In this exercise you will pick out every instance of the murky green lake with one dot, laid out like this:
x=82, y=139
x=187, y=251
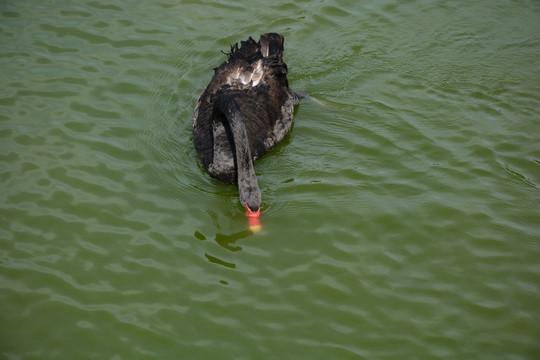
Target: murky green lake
x=401, y=216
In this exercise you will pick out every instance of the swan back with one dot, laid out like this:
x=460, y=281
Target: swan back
x=255, y=76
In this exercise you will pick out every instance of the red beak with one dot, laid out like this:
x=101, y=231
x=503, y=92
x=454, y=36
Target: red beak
x=250, y=213
x=253, y=219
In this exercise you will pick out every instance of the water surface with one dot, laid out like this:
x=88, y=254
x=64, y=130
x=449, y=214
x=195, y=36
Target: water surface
x=400, y=218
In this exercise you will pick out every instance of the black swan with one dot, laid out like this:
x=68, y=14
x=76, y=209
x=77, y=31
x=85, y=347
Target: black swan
x=245, y=110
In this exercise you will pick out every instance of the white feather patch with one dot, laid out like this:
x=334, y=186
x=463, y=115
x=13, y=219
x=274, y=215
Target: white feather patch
x=241, y=76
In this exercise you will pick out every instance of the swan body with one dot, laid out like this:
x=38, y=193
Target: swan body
x=245, y=110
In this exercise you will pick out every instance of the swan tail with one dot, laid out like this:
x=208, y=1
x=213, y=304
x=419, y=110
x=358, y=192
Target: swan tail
x=272, y=45
x=248, y=51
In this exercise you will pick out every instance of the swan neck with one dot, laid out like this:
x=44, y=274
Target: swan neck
x=248, y=186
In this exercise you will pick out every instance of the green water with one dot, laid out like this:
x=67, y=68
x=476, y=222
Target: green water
x=401, y=217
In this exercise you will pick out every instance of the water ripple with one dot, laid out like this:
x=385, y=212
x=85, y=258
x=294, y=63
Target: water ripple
x=401, y=210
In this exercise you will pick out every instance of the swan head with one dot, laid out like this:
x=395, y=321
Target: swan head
x=250, y=194
x=251, y=199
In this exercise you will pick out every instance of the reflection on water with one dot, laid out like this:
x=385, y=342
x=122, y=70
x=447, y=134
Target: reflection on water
x=227, y=242
x=215, y=260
